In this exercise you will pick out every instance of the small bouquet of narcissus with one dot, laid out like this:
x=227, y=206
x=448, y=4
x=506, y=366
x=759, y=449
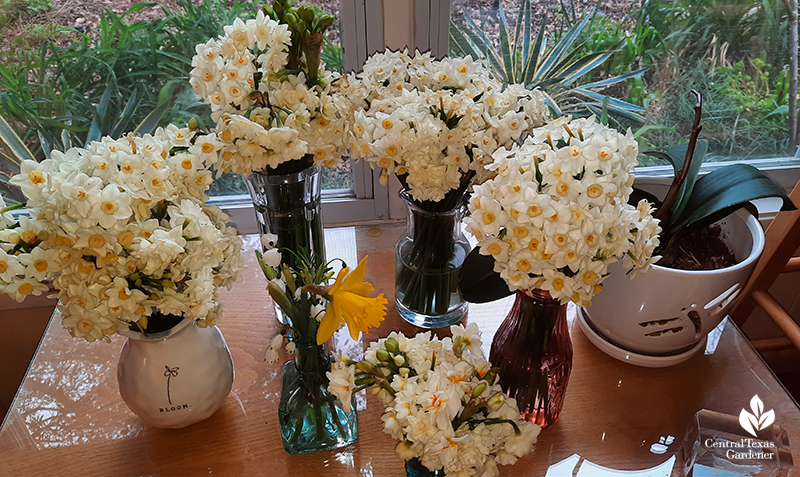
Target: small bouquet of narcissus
x=302, y=295
x=443, y=401
x=270, y=95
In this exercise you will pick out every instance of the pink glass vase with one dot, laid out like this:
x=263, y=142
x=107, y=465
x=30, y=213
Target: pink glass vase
x=533, y=350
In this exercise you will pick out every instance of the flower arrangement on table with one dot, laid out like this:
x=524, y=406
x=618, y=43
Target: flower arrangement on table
x=270, y=95
x=557, y=213
x=548, y=226
x=443, y=402
x=122, y=228
x=434, y=124
x=311, y=418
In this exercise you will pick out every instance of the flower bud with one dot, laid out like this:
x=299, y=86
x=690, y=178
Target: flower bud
x=479, y=389
x=496, y=401
x=392, y=345
x=399, y=360
x=366, y=367
x=383, y=356
x=403, y=449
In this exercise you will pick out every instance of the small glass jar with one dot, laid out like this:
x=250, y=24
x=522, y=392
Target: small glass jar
x=311, y=418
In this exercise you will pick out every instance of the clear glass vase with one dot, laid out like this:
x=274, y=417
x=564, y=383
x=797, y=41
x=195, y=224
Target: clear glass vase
x=414, y=468
x=287, y=203
x=533, y=350
x=311, y=418
x=428, y=258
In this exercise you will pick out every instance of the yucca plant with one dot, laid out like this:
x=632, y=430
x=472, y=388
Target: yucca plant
x=558, y=71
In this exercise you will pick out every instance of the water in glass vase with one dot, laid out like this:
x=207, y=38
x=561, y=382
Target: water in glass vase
x=311, y=418
x=428, y=258
x=428, y=296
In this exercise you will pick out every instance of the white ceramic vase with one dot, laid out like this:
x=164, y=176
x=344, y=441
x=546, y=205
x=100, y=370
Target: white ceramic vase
x=663, y=315
x=177, y=377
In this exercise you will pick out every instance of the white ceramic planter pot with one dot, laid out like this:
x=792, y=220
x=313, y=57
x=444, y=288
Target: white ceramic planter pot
x=667, y=312
x=175, y=378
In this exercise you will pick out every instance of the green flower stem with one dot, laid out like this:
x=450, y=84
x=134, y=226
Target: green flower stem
x=335, y=418
x=428, y=281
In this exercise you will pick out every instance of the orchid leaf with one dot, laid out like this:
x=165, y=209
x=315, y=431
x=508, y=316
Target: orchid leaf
x=478, y=281
x=723, y=191
x=676, y=156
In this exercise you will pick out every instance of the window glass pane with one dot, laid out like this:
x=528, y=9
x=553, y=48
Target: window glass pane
x=336, y=181
x=735, y=52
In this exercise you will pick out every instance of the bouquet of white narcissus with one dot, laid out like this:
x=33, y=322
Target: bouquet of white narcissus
x=557, y=214
x=443, y=402
x=124, y=232
x=268, y=91
x=435, y=123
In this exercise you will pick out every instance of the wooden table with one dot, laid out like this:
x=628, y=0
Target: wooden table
x=68, y=418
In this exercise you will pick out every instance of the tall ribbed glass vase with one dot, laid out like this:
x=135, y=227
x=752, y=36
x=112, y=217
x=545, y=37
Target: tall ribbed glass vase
x=287, y=203
x=311, y=418
x=428, y=258
x=533, y=350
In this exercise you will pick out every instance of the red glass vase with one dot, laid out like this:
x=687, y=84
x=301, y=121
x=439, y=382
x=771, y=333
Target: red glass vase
x=533, y=350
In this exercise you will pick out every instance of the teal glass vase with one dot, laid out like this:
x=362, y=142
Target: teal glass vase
x=311, y=418
x=414, y=468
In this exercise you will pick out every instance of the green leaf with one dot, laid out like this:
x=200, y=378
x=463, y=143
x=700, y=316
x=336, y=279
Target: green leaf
x=582, y=66
x=525, y=17
x=45, y=142
x=612, y=102
x=652, y=127
x=614, y=80
x=557, y=53
x=532, y=63
x=127, y=115
x=461, y=46
x=19, y=150
x=139, y=7
x=99, y=120
x=723, y=191
x=505, y=46
x=604, y=112
x=482, y=42
x=149, y=123
x=478, y=281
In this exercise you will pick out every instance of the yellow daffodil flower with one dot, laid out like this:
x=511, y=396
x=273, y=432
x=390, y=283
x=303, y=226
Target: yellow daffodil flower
x=350, y=302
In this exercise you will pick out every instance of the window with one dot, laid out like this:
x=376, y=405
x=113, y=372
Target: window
x=735, y=52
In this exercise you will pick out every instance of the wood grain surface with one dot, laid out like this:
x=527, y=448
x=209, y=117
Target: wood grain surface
x=68, y=418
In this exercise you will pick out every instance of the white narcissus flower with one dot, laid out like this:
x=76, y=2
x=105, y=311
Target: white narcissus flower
x=342, y=382
x=471, y=335
x=272, y=351
x=10, y=266
x=20, y=288
x=272, y=258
